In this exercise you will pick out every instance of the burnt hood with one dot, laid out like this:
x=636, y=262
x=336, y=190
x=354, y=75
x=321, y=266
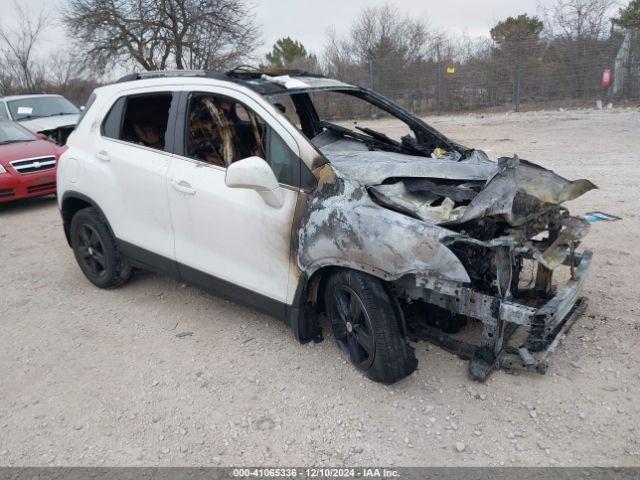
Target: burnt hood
x=374, y=167
x=458, y=190
x=520, y=191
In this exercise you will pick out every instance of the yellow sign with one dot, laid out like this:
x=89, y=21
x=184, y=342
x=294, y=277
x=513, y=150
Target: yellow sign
x=451, y=70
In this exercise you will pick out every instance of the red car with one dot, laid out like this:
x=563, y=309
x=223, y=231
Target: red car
x=27, y=163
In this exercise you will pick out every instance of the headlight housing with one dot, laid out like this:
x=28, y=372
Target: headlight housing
x=2, y=169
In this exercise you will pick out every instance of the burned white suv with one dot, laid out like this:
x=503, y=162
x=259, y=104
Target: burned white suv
x=277, y=191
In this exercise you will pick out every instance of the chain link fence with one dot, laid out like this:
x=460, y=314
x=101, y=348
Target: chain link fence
x=555, y=75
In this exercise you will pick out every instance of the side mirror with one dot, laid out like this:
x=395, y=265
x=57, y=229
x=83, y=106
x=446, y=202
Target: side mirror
x=256, y=174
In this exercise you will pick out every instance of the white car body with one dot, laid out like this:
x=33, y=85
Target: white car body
x=163, y=220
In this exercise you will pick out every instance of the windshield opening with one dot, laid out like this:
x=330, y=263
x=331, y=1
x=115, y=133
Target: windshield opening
x=10, y=133
x=354, y=119
x=356, y=113
x=38, y=107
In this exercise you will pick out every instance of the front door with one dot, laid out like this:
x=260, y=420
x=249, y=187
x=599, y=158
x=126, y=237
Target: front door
x=226, y=238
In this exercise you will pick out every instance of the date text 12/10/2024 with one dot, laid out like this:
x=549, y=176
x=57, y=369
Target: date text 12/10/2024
x=320, y=472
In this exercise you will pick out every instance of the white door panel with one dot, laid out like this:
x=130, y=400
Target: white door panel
x=131, y=181
x=230, y=233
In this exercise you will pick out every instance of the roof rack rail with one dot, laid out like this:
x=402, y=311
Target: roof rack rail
x=249, y=71
x=241, y=72
x=245, y=71
x=166, y=73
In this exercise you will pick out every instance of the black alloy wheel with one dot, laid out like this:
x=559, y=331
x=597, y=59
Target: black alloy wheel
x=96, y=250
x=91, y=250
x=366, y=325
x=352, y=328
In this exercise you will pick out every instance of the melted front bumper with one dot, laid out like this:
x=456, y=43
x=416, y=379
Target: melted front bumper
x=545, y=326
x=549, y=324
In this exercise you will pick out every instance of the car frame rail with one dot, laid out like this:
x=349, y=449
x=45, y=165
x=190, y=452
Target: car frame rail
x=547, y=325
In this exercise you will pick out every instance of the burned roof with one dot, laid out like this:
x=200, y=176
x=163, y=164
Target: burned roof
x=268, y=85
x=265, y=81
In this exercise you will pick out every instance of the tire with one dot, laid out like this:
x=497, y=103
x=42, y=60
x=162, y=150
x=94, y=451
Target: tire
x=96, y=251
x=366, y=328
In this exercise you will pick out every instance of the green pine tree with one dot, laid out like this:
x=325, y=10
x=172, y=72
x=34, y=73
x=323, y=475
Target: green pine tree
x=284, y=52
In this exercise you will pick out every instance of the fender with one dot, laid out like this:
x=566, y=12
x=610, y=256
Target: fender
x=343, y=226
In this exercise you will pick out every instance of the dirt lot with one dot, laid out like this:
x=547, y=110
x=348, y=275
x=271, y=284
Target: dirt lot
x=92, y=377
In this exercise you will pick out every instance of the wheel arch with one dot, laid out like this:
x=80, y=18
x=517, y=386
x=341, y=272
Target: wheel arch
x=310, y=304
x=72, y=202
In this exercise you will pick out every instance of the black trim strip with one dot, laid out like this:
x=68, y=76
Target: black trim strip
x=141, y=258
x=234, y=292
x=179, y=125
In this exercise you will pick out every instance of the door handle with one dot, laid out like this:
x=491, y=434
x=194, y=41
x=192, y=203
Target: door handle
x=184, y=187
x=103, y=156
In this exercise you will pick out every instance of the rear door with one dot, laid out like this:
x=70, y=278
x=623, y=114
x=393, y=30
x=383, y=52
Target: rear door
x=229, y=238
x=129, y=174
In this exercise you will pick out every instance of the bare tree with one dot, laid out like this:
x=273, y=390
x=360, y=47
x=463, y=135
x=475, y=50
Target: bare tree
x=580, y=19
x=337, y=56
x=382, y=50
x=576, y=27
x=20, y=70
x=382, y=31
x=63, y=68
x=159, y=34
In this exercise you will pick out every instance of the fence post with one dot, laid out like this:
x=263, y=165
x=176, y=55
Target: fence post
x=439, y=79
x=518, y=79
x=370, y=75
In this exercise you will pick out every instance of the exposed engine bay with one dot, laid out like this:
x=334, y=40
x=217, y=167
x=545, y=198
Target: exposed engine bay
x=495, y=217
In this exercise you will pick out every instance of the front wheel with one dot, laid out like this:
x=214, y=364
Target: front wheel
x=366, y=328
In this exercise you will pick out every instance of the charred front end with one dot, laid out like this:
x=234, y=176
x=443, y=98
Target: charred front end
x=511, y=235
x=457, y=239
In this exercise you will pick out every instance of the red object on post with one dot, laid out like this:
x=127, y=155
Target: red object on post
x=606, y=78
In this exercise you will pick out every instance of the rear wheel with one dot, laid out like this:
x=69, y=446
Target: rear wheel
x=366, y=328
x=96, y=251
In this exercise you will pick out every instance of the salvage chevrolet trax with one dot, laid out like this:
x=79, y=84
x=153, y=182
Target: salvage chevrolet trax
x=264, y=188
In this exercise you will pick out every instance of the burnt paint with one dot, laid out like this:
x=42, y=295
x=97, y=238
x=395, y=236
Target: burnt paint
x=343, y=226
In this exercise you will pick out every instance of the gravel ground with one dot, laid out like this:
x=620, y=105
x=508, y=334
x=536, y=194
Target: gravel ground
x=92, y=377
